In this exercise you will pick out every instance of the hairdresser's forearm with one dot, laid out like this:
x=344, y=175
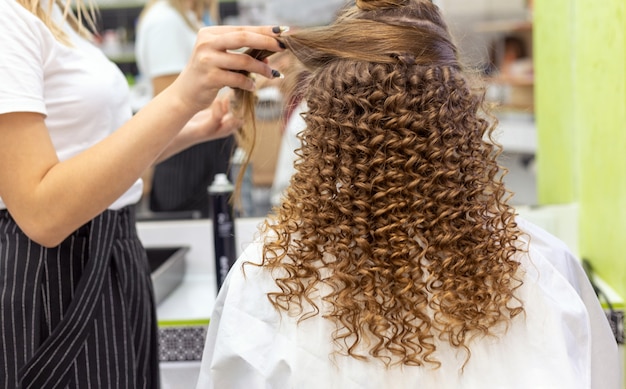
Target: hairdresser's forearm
x=212, y=123
x=179, y=143
x=98, y=176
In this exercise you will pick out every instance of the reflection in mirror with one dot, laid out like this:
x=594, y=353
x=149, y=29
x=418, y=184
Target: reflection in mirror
x=271, y=162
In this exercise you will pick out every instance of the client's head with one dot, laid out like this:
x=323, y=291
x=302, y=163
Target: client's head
x=397, y=209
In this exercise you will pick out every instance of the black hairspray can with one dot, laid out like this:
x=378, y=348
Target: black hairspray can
x=222, y=213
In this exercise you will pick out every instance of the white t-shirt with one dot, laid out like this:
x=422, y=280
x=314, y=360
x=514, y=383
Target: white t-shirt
x=83, y=95
x=562, y=341
x=164, y=42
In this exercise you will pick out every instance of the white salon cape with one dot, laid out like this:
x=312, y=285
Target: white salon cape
x=564, y=341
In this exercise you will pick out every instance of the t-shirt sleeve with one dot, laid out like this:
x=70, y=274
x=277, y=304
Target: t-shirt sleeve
x=165, y=47
x=22, y=51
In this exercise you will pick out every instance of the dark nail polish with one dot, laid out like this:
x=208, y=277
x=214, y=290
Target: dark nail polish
x=281, y=45
x=276, y=74
x=280, y=29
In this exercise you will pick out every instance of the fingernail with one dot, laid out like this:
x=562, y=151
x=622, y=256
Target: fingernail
x=280, y=29
x=277, y=74
x=281, y=44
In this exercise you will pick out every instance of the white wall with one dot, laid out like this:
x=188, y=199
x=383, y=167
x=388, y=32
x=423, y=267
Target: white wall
x=496, y=8
x=304, y=10
x=299, y=13
x=464, y=16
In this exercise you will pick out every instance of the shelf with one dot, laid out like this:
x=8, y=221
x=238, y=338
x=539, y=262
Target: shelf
x=513, y=108
x=505, y=26
x=122, y=58
x=119, y=5
x=119, y=53
x=512, y=80
x=517, y=95
x=516, y=134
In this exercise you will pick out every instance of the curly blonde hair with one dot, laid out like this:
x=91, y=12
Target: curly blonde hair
x=397, y=206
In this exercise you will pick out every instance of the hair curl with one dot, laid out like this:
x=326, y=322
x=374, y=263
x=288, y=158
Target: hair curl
x=397, y=204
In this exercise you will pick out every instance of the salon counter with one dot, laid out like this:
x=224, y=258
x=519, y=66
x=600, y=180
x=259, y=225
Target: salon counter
x=193, y=300
x=183, y=315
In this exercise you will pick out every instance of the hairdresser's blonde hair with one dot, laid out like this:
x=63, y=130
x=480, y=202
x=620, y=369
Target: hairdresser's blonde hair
x=180, y=6
x=397, y=206
x=80, y=15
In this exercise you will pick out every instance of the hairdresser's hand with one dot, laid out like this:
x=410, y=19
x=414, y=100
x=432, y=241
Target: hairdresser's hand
x=215, y=122
x=214, y=65
x=211, y=123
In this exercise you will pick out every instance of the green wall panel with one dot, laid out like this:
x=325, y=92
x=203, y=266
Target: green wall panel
x=600, y=86
x=555, y=101
x=580, y=65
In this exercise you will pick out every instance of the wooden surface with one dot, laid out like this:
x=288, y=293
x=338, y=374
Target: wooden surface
x=265, y=153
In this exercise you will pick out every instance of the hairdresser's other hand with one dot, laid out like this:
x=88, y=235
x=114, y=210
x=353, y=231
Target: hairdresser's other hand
x=212, y=123
x=214, y=65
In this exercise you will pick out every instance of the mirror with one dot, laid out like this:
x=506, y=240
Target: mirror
x=474, y=42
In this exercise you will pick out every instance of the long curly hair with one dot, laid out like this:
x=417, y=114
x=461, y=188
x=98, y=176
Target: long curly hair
x=397, y=206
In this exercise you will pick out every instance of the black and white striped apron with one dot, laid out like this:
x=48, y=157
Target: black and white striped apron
x=80, y=315
x=180, y=182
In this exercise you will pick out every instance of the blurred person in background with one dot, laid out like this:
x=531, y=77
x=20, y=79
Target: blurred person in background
x=165, y=38
x=394, y=259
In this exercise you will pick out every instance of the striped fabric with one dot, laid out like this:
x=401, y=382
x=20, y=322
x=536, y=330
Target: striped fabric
x=180, y=183
x=79, y=315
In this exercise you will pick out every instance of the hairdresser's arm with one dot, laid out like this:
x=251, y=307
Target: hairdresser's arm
x=161, y=82
x=49, y=199
x=211, y=123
